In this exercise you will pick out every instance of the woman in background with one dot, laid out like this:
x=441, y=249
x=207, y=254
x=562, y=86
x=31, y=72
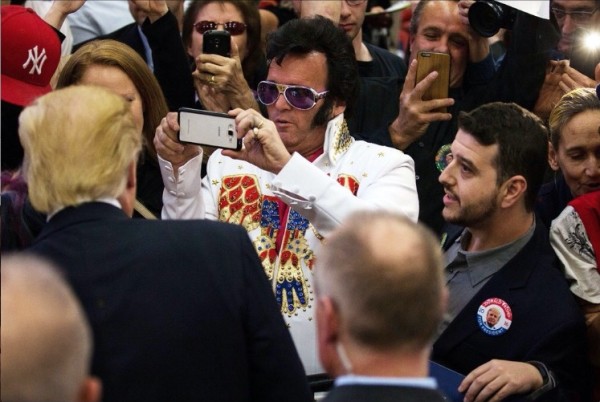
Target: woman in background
x=574, y=152
x=116, y=66
x=225, y=83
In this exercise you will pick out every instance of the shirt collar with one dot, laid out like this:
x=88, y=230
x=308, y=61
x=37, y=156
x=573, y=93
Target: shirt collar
x=421, y=382
x=489, y=261
x=337, y=138
x=106, y=200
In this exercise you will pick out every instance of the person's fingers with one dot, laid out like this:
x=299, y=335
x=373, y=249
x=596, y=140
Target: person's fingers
x=491, y=385
x=477, y=385
x=235, y=51
x=409, y=81
x=564, y=87
x=425, y=84
x=172, y=120
x=249, y=119
x=472, y=376
x=164, y=143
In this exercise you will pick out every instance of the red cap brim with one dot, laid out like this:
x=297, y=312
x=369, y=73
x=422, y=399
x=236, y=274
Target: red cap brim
x=20, y=93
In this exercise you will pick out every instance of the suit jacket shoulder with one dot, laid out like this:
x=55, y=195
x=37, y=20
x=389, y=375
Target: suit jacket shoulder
x=180, y=310
x=391, y=64
x=128, y=35
x=382, y=393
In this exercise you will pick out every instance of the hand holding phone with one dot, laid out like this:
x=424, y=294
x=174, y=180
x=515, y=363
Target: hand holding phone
x=213, y=129
x=433, y=61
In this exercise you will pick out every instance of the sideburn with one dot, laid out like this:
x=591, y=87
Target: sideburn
x=324, y=114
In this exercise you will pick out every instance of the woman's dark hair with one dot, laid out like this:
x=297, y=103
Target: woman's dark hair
x=251, y=18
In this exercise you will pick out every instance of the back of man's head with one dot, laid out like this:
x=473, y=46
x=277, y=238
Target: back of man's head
x=46, y=341
x=79, y=143
x=522, y=140
x=384, y=275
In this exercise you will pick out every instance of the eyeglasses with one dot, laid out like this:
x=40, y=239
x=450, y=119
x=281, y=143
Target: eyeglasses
x=354, y=3
x=303, y=98
x=576, y=15
x=233, y=27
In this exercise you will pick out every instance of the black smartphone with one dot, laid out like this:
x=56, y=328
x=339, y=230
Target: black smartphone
x=202, y=127
x=217, y=42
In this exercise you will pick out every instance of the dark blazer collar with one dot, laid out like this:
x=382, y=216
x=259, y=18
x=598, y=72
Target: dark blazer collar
x=87, y=212
x=514, y=275
x=382, y=393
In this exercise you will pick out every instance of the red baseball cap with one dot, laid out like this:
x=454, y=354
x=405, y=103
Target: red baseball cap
x=30, y=55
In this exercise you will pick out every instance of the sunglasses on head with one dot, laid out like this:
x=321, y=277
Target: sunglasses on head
x=303, y=98
x=233, y=27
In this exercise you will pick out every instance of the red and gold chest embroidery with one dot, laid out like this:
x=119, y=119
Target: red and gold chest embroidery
x=241, y=202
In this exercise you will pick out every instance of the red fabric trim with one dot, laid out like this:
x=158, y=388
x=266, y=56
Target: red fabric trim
x=283, y=208
x=588, y=208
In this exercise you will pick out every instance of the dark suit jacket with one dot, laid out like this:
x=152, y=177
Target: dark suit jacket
x=382, y=393
x=547, y=324
x=381, y=80
x=180, y=310
x=171, y=62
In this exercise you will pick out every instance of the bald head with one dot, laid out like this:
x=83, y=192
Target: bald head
x=46, y=341
x=384, y=273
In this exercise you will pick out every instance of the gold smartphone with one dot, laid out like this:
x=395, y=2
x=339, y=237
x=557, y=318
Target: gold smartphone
x=433, y=61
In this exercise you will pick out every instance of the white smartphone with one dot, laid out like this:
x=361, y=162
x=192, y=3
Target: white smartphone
x=202, y=127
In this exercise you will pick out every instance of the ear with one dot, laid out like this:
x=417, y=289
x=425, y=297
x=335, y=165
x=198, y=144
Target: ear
x=327, y=319
x=327, y=333
x=512, y=191
x=552, y=157
x=90, y=390
x=338, y=108
x=127, y=197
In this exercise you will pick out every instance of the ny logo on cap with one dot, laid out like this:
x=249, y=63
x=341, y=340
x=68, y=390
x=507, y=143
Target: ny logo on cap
x=37, y=60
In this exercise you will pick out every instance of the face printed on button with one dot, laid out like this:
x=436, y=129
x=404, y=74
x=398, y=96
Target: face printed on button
x=494, y=316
